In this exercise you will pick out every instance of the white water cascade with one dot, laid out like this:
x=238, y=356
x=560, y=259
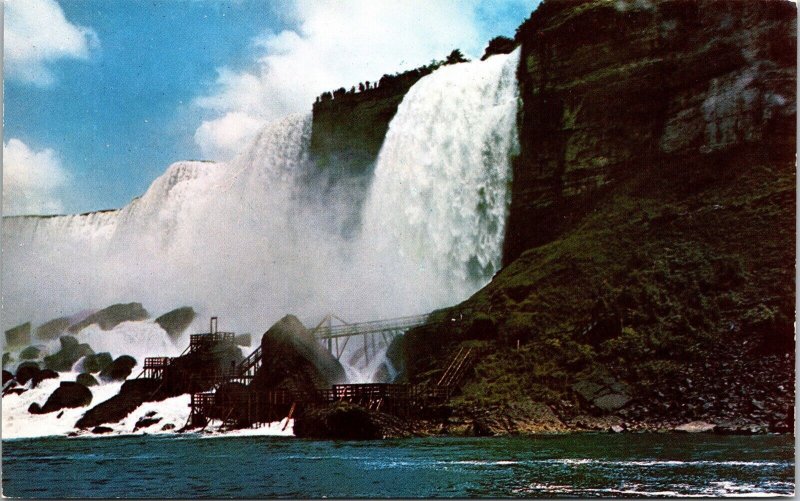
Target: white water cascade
x=249, y=240
x=435, y=218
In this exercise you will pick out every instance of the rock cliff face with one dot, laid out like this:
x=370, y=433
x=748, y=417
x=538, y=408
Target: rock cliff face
x=651, y=235
x=612, y=88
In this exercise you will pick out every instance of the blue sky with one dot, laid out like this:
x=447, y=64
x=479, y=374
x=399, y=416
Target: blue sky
x=130, y=86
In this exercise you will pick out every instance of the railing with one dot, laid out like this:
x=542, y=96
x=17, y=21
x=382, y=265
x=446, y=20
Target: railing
x=156, y=362
x=205, y=341
x=347, y=330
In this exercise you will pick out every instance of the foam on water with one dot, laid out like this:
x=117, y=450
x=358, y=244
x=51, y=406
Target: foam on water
x=19, y=423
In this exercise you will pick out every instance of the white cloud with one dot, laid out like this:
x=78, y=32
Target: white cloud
x=36, y=34
x=32, y=180
x=223, y=137
x=334, y=44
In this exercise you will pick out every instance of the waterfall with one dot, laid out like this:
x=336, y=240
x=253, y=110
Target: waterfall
x=249, y=240
x=435, y=217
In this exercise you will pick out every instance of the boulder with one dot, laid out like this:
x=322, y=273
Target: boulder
x=146, y=422
x=42, y=375
x=30, y=353
x=7, y=376
x=603, y=394
x=119, y=369
x=52, y=329
x=71, y=351
x=97, y=362
x=167, y=427
x=19, y=336
x=67, y=395
x=26, y=371
x=132, y=394
x=176, y=321
x=294, y=360
x=99, y=430
x=110, y=317
x=86, y=380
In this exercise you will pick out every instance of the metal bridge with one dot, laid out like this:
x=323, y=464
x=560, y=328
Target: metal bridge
x=376, y=334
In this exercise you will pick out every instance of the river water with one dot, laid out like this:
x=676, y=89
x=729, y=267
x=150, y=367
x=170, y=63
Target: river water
x=571, y=465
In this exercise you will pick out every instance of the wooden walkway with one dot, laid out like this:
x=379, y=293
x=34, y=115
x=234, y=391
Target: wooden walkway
x=229, y=400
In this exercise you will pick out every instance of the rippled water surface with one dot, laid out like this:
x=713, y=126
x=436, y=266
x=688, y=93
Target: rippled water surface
x=576, y=465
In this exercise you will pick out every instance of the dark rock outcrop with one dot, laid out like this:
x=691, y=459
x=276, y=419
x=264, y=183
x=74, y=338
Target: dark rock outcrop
x=294, y=360
x=119, y=369
x=603, y=394
x=26, y=371
x=30, y=353
x=67, y=395
x=176, y=321
x=42, y=375
x=100, y=430
x=146, y=421
x=7, y=376
x=18, y=336
x=86, y=380
x=52, y=329
x=675, y=84
x=71, y=351
x=132, y=394
x=97, y=362
x=110, y=317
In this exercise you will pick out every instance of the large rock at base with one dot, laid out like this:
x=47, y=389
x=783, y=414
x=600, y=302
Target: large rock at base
x=176, y=321
x=344, y=421
x=603, y=394
x=119, y=369
x=52, y=329
x=26, y=371
x=42, y=375
x=97, y=362
x=86, y=380
x=19, y=335
x=30, y=353
x=132, y=394
x=71, y=351
x=7, y=376
x=67, y=395
x=110, y=317
x=294, y=360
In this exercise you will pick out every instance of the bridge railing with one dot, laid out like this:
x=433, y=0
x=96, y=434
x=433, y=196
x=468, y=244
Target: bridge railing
x=401, y=323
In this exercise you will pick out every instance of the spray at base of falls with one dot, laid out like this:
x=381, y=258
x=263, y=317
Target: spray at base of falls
x=247, y=240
